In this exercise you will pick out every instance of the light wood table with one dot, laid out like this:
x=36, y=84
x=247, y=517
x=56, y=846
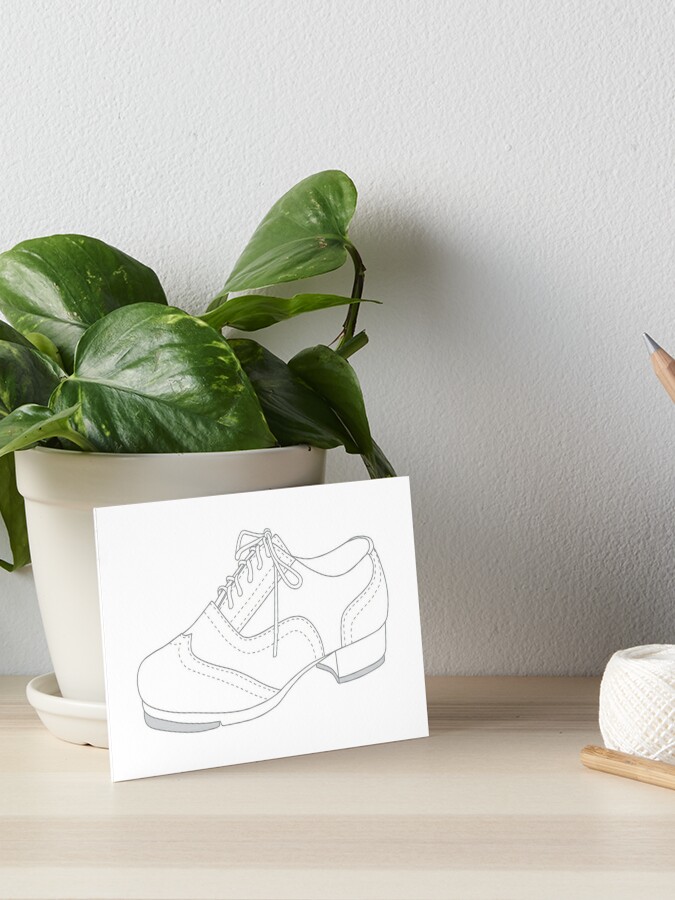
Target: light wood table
x=495, y=804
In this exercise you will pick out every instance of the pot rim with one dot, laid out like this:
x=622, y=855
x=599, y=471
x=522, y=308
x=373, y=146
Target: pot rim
x=89, y=454
x=84, y=480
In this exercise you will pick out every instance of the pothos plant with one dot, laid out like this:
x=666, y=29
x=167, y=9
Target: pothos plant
x=94, y=359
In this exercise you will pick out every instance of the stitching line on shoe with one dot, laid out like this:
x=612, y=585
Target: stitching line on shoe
x=246, y=606
x=364, y=597
x=249, y=608
x=267, y=646
x=223, y=680
x=365, y=605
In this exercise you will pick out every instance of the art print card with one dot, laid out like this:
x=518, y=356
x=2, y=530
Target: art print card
x=254, y=626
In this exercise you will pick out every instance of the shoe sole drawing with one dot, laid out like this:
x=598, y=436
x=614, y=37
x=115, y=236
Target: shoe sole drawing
x=346, y=664
x=341, y=679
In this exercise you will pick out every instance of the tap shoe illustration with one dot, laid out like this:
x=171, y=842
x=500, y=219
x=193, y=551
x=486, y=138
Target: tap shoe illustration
x=276, y=617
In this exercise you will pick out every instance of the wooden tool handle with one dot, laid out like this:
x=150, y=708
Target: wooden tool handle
x=636, y=767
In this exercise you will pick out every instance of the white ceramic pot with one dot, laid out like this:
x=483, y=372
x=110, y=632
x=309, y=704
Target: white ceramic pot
x=61, y=488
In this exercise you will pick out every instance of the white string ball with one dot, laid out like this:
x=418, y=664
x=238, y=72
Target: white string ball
x=637, y=702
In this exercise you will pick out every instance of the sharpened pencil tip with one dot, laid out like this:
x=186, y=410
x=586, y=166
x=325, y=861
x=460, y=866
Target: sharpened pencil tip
x=652, y=346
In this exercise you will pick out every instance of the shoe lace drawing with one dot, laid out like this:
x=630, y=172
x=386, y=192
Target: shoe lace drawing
x=275, y=618
x=249, y=546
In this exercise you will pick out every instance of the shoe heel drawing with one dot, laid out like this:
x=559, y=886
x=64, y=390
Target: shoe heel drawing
x=357, y=659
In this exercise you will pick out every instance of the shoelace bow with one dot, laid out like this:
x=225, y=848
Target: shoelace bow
x=249, y=547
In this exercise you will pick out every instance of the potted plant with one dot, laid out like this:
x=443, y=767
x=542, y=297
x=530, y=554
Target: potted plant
x=108, y=395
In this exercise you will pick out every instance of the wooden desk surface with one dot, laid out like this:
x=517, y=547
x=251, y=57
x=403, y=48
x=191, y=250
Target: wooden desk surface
x=495, y=804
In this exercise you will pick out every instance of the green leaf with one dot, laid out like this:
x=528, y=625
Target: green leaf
x=7, y=333
x=251, y=312
x=153, y=379
x=26, y=375
x=333, y=378
x=377, y=463
x=217, y=301
x=304, y=234
x=294, y=412
x=29, y=425
x=13, y=514
x=59, y=285
x=42, y=343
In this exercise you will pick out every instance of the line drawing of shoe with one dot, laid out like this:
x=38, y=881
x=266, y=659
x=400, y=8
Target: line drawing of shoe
x=276, y=617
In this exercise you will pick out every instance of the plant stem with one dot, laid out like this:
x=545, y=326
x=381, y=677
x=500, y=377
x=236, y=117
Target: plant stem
x=346, y=348
x=80, y=441
x=357, y=292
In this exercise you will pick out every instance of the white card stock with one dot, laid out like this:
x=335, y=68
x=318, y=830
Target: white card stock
x=259, y=625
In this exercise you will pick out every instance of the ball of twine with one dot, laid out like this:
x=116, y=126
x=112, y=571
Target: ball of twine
x=637, y=702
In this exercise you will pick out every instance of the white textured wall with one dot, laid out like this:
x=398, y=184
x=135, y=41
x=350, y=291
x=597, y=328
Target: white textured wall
x=516, y=169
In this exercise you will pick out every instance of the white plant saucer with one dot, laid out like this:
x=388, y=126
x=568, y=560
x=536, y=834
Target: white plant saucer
x=77, y=721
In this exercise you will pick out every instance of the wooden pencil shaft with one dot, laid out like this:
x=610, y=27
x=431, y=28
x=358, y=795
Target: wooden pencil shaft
x=664, y=369
x=648, y=771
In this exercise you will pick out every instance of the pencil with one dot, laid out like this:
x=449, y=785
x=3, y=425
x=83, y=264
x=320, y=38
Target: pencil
x=648, y=771
x=663, y=365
